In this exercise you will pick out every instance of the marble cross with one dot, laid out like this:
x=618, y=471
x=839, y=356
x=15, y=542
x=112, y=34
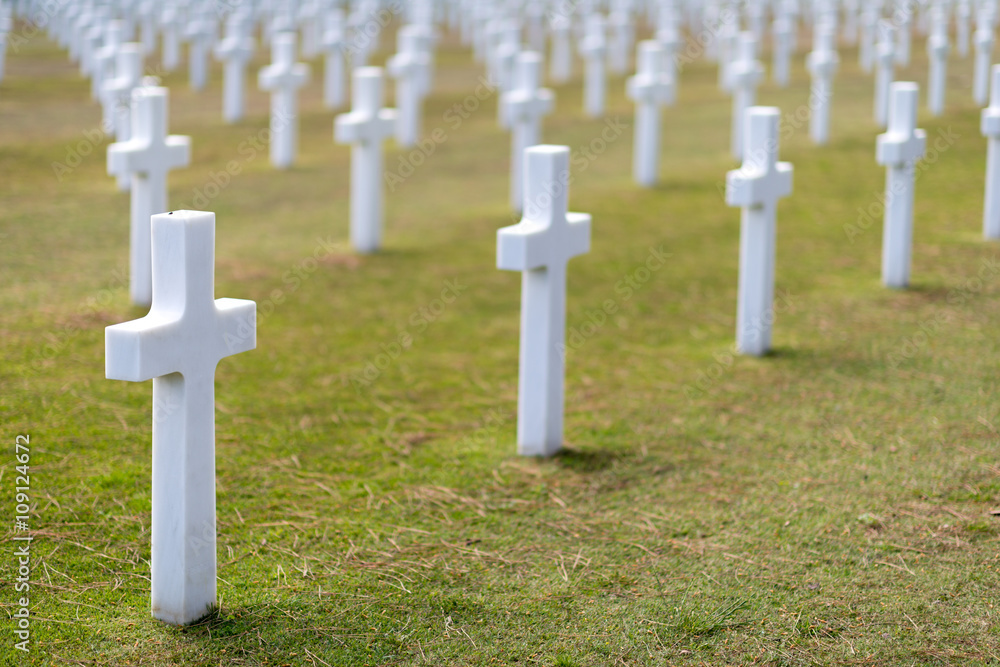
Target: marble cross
x=745, y=73
x=177, y=346
x=199, y=33
x=410, y=67
x=622, y=36
x=650, y=89
x=869, y=30
x=147, y=157
x=782, y=50
x=963, y=14
x=283, y=79
x=756, y=188
x=104, y=68
x=524, y=107
x=540, y=246
x=937, y=52
x=898, y=150
x=170, y=31
x=365, y=128
x=594, y=50
x=561, y=61
x=990, y=126
x=117, y=93
x=884, y=73
x=334, y=39
x=235, y=51
x=822, y=63
x=984, y=53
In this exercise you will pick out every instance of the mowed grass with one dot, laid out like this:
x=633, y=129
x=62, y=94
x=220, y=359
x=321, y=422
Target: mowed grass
x=828, y=504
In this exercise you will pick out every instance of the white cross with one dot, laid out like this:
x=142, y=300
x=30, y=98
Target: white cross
x=903, y=16
x=822, y=63
x=937, y=52
x=118, y=90
x=200, y=32
x=984, y=53
x=782, y=29
x=744, y=75
x=366, y=127
x=283, y=79
x=593, y=48
x=668, y=36
x=524, y=107
x=561, y=67
x=540, y=246
x=178, y=345
x=898, y=150
x=756, y=188
x=6, y=25
x=990, y=126
x=650, y=89
x=885, y=56
x=334, y=84
x=170, y=30
x=411, y=70
x=147, y=157
x=963, y=12
x=866, y=49
x=104, y=67
x=621, y=40
x=235, y=51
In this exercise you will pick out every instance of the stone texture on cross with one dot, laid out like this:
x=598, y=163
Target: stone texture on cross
x=524, y=107
x=410, y=67
x=540, y=246
x=898, y=150
x=366, y=127
x=822, y=63
x=147, y=157
x=593, y=48
x=990, y=126
x=178, y=346
x=235, y=51
x=650, y=89
x=756, y=188
x=744, y=74
x=282, y=79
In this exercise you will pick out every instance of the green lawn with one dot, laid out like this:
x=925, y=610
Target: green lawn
x=829, y=504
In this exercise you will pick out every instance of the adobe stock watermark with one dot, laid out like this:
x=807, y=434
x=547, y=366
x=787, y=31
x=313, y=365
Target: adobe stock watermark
x=22, y=542
x=867, y=216
x=417, y=323
x=625, y=289
x=910, y=346
x=726, y=360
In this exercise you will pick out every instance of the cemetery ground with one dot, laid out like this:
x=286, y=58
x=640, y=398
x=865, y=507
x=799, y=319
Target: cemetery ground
x=831, y=503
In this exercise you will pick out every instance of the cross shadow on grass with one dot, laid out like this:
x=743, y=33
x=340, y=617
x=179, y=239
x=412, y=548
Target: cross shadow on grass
x=587, y=460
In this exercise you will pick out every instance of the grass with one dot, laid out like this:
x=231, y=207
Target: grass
x=829, y=504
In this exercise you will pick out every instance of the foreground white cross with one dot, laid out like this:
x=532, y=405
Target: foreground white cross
x=822, y=63
x=756, y=188
x=524, y=107
x=148, y=156
x=283, y=79
x=650, y=89
x=178, y=345
x=235, y=51
x=540, y=246
x=366, y=127
x=898, y=150
x=990, y=125
x=744, y=75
